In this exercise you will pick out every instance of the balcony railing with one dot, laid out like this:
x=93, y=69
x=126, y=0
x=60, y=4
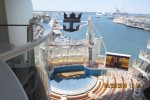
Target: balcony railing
x=144, y=55
x=137, y=63
x=68, y=43
x=9, y=78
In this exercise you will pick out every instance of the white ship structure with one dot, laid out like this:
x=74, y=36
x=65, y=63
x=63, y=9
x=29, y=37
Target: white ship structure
x=39, y=62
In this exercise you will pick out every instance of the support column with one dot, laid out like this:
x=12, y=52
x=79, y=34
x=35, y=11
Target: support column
x=30, y=54
x=91, y=42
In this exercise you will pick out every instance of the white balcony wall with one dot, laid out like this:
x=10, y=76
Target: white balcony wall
x=18, y=12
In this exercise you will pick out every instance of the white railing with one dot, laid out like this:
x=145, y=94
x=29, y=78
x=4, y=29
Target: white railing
x=136, y=66
x=70, y=42
x=137, y=63
x=144, y=55
x=30, y=45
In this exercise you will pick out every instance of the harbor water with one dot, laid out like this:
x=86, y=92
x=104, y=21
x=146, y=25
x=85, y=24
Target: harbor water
x=118, y=38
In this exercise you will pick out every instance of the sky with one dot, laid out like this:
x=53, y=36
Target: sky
x=129, y=6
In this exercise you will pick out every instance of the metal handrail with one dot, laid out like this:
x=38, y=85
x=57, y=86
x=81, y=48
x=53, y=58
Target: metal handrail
x=29, y=45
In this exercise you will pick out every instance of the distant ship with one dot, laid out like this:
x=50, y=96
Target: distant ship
x=117, y=13
x=98, y=14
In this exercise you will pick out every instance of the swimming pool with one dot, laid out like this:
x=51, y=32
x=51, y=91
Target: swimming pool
x=72, y=86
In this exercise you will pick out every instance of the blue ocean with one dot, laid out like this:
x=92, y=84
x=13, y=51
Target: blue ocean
x=118, y=38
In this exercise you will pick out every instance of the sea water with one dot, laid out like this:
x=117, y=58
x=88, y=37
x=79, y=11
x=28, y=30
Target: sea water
x=118, y=38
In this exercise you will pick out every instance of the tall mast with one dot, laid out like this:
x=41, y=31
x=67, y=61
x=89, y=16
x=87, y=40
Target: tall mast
x=91, y=42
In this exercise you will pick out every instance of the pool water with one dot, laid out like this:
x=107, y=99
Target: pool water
x=75, y=83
